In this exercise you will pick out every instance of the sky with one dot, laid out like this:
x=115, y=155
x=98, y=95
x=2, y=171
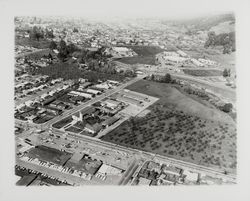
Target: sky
x=111, y=9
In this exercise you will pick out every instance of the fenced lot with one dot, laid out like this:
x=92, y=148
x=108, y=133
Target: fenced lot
x=178, y=135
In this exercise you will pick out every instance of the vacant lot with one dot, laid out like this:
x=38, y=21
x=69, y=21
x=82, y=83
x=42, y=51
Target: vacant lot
x=176, y=134
x=146, y=55
x=174, y=99
x=203, y=73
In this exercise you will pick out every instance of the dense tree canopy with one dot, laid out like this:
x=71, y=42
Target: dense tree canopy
x=227, y=40
x=36, y=33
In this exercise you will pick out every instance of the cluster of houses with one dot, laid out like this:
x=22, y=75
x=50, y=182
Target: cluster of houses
x=27, y=85
x=44, y=106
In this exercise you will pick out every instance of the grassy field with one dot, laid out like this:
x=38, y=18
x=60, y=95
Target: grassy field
x=149, y=60
x=146, y=55
x=203, y=73
x=174, y=99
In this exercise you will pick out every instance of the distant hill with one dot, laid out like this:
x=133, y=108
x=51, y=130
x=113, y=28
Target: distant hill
x=205, y=23
x=224, y=27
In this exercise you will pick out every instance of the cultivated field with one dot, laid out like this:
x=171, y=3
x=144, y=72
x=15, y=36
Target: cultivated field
x=180, y=127
x=176, y=134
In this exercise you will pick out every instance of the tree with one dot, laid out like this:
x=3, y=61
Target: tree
x=227, y=107
x=49, y=33
x=72, y=48
x=167, y=78
x=52, y=45
x=153, y=77
x=36, y=33
x=211, y=39
x=226, y=72
x=75, y=30
x=63, y=50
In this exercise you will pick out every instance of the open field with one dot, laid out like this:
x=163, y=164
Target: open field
x=176, y=134
x=204, y=73
x=149, y=60
x=174, y=99
x=146, y=55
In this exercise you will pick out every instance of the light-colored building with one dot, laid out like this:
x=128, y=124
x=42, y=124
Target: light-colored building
x=103, y=86
x=207, y=61
x=197, y=63
x=78, y=93
x=111, y=103
x=93, y=91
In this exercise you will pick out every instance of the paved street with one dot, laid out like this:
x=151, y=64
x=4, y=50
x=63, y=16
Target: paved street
x=150, y=156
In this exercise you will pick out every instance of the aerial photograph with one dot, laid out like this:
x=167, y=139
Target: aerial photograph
x=130, y=101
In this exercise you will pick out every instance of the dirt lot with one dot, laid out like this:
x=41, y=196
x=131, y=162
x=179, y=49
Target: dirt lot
x=176, y=134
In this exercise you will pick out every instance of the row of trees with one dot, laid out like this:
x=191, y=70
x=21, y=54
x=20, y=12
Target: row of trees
x=167, y=78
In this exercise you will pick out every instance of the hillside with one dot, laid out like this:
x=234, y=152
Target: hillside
x=223, y=27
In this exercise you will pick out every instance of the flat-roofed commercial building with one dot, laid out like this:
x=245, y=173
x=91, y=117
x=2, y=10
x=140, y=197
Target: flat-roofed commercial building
x=83, y=94
x=93, y=91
